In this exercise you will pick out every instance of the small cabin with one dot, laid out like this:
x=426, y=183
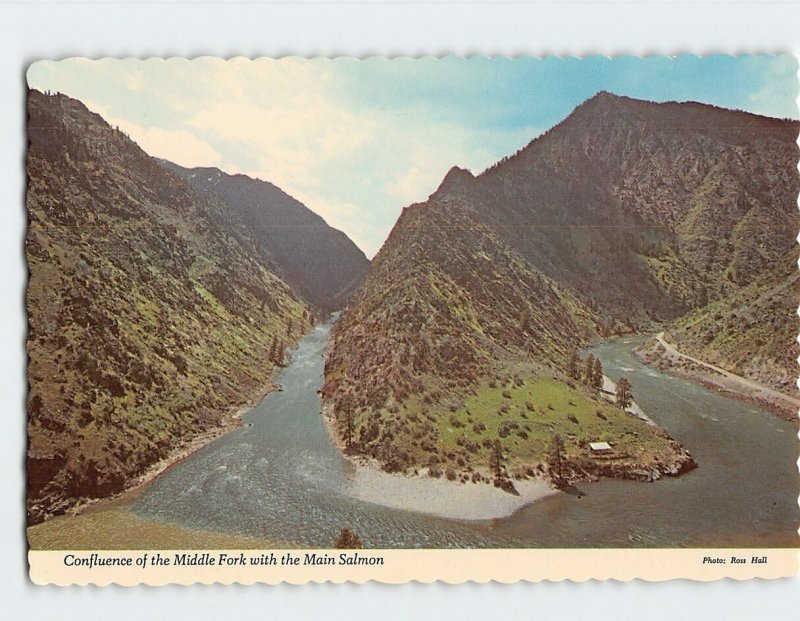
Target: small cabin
x=600, y=447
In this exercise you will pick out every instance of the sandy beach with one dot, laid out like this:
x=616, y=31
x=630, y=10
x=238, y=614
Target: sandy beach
x=443, y=498
x=434, y=496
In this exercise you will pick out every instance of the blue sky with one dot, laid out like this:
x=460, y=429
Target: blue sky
x=357, y=140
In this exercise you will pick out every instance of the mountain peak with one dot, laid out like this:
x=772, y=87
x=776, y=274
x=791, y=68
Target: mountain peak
x=605, y=96
x=455, y=181
x=607, y=99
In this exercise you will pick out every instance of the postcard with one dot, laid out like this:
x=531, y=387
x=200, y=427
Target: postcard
x=412, y=319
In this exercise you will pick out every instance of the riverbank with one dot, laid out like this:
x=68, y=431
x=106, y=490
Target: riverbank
x=116, y=528
x=230, y=421
x=443, y=498
x=609, y=392
x=662, y=355
x=440, y=497
x=106, y=522
x=420, y=492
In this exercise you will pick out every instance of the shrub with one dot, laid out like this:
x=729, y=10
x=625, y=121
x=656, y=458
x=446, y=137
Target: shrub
x=455, y=422
x=506, y=428
x=348, y=540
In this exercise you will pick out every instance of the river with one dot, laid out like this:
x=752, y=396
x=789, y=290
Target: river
x=280, y=478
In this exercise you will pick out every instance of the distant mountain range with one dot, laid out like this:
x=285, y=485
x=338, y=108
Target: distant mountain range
x=320, y=263
x=155, y=309
x=626, y=215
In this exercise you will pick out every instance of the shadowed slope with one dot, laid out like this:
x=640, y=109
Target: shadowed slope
x=150, y=317
x=319, y=262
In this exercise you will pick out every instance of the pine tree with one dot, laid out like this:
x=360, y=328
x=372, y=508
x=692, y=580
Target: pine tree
x=344, y=419
x=623, y=393
x=573, y=367
x=555, y=460
x=347, y=539
x=588, y=373
x=597, y=378
x=349, y=427
x=497, y=460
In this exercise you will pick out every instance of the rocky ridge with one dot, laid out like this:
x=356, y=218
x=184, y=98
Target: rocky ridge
x=151, y=318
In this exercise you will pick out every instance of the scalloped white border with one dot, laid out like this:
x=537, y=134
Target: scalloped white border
x=426, y=566
x=639, y=27
x=450, y=566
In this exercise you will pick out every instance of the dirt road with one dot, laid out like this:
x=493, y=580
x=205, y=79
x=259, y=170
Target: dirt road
x=759, y=390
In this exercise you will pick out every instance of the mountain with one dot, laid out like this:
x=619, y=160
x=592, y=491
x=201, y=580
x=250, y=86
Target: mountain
x=151, y=316
x=446, y=297
x=626, y=215
x=646, y=210
x=319, y=262
x=752, y=331
x=649, y=211
x=456, y=343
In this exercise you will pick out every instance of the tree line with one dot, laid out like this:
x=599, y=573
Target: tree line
x=592, y=373
x=277, y=350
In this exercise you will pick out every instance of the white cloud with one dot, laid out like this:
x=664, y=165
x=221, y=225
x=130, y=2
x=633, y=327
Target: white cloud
x=779, y=85
x=177, y=145
x=292, y=122
x=181, y=147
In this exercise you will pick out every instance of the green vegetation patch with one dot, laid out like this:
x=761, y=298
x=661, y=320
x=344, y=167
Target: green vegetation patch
x=526, y=414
